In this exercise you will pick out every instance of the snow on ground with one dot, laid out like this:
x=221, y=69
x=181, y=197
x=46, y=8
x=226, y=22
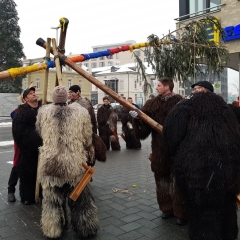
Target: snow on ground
x=6, y=124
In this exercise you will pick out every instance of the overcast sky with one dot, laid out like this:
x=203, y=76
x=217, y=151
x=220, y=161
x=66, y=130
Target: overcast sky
x=95, y=22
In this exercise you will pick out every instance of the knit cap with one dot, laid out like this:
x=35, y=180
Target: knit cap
x=60, y=94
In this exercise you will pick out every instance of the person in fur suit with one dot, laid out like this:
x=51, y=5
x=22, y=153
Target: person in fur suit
x=132, y=142
x=201, y=133
x=28, y=141
x=107, y=125
x=74, y=94
x=169, y=197
x=66, y=131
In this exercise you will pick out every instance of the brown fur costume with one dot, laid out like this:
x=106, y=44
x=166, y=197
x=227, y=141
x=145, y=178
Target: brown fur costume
x=107, y=120
x=132, y=142
x=99, y=146
x=169, y=198
x=204, y=142
x=66, y=131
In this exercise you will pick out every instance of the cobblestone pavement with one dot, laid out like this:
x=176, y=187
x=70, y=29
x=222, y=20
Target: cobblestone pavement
x=130, y=214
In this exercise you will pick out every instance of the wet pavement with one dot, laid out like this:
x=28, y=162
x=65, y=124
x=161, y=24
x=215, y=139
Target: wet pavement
x=124, y=191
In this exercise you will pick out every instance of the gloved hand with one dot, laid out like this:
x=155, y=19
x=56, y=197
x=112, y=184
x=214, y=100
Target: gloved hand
x=134, y=114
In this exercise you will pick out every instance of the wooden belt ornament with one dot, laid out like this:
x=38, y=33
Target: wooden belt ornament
x=83, y=182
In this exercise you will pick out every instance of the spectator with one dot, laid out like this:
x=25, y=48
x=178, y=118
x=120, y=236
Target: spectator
x=28, y=141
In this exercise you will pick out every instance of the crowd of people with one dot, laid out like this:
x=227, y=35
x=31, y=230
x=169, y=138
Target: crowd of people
x=195, y=160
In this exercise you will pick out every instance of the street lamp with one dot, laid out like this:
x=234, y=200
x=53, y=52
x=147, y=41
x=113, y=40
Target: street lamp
x=56, y=28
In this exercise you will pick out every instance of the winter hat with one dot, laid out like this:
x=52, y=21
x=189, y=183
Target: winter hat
x=27, y=91
x=204, y=84
x=60, y=94
x=75, y=88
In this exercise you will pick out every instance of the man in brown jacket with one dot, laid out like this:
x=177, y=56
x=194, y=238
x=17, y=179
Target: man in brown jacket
x=169, y=198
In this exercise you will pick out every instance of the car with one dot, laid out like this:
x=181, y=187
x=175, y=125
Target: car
x=96, y=107
x=118, y=108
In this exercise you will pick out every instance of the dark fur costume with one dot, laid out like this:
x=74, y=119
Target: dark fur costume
x=131, y=140
x=169, y=198
x=28, y=141
x=236, y=110
x=66, y=131
x=99, y=146
x=107, y=120
x=204, y=142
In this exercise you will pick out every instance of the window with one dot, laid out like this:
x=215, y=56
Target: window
x=85, y=64
x=69, y=82
x=110, y=63
x=80, y=83
x=117, y=56
x=121, y=84
x=93, y=65
x=135, y=84
x=197, y=7
x=101, y=58
x=38, y=83
x=110, y=57
x=102, y=64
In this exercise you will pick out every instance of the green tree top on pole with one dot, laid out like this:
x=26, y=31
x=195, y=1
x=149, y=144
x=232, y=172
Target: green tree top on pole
x=181, y=53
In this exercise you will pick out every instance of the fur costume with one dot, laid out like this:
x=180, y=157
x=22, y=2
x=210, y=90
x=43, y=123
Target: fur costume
x=28, y=141
x=169, y=198
x=66, y=131
x=204, y=142
x=131, y=140
x=107, y=121
x=99, y=146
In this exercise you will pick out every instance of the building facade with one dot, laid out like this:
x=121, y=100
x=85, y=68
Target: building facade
x=115, y=59
x=69, y=77
x=228, y=13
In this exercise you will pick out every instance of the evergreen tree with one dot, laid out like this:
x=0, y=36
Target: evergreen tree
x=11, y=49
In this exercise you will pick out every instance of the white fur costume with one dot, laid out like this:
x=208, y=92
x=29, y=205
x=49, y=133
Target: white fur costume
x=66, y=131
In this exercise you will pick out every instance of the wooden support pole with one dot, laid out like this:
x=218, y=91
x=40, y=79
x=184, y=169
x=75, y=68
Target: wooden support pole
x=105, y=88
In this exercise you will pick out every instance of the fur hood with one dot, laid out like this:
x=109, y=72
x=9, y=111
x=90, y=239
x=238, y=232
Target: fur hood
x=66, y=132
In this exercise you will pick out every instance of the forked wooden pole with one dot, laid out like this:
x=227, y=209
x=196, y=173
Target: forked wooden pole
x=46, y=72
x=57, y=63
x=44, y=101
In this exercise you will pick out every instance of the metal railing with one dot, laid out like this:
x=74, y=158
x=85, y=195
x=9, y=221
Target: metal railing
x=200, y=13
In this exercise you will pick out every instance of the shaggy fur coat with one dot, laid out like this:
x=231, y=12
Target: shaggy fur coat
x=99, y=146
x=169, y=198
x=28, y=141
x=132, y=142
x=204, y=143
x=66, y=131
x=107, y=119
